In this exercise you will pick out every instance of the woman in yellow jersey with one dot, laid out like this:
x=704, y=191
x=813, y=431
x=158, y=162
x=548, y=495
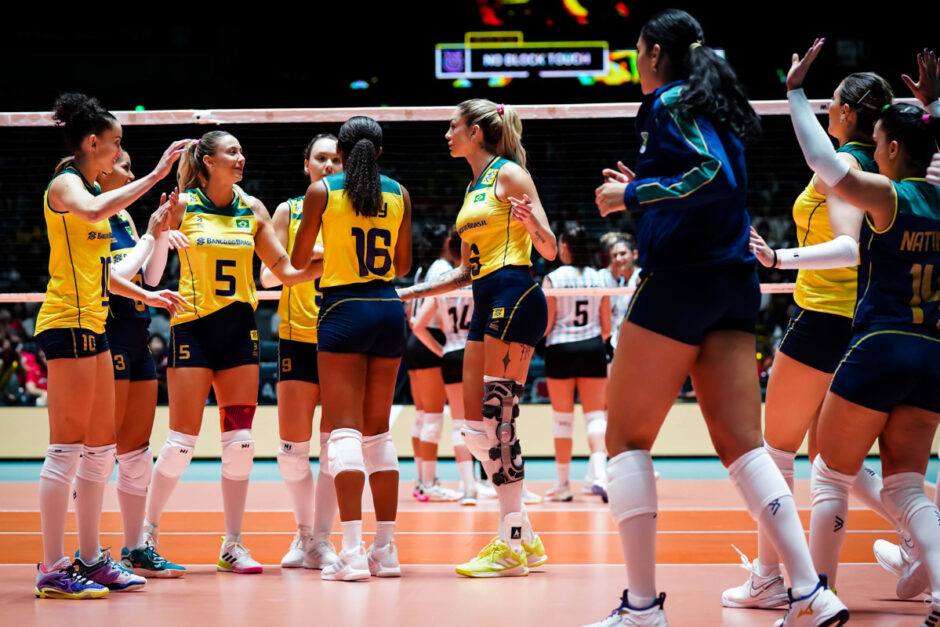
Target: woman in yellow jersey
x=821, y=325
x=365, y=220
x=298, y=383
x=70, y=330
x=500, y=220
x=214, y=341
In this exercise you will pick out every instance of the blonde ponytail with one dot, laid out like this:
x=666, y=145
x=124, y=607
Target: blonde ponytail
x=501, y=126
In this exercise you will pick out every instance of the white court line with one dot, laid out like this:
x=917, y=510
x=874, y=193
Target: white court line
x=444, y=533
x=456, y=510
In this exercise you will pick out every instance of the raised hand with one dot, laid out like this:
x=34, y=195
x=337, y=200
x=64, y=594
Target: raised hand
x=623, y=174
x=764, y=253
x=170, y=155
x=933, y=170
x=177, y=240
x=521, y=210
x=799, y=67
x=609, y=197
x=927, y=87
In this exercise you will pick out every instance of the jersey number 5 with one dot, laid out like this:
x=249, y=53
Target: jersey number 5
x=222, y=278
x=372, y=257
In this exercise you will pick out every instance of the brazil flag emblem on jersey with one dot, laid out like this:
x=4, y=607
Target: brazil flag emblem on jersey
x=242, y=224
x=480, y=197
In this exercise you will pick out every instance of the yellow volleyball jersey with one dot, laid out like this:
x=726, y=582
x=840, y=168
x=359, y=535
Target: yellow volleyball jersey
x=359, y=249
x=299, y=306
x=486, y=224
x=834, y=290
x=216, y=269
x=79, y=268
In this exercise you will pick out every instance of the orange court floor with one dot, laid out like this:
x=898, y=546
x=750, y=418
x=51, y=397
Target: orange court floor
x=699, y=521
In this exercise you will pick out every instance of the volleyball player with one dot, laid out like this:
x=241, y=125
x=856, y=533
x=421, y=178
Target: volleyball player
x=214, y=341
x=499, y=222
x=688, y=200
x=70, y=331
x=142, y=261
x=622, y=271
x=298, y=382
x=366, y=223
x=575, y=360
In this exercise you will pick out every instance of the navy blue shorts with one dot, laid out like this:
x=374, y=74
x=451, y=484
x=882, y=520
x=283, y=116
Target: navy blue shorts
x=297, y=361
x=224, y=339
x=130, y=350
x=816, y=339
x=362, y=318
x=510, y=306
x=573, y=360
x=685, y=304
x=71, y=343
x=418, y=356
x=888, y=367
x=452, y=367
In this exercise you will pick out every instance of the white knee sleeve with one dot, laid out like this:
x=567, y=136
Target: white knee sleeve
x=378, y=452
x=293, y=460
x=456, y=437
x=61, y=462
x=416, y=425
x=431, y=427
x=783, y=459
x=631, y=485
x=97, y=463
x=345, y=451
x=903, y=496
x=175, y=454
x=134, y=471
x=827, y=484
x=238, y=454
x=479, y=445
x=758, y=480
x=563, y=424
x=596, y=422
x=324, y=454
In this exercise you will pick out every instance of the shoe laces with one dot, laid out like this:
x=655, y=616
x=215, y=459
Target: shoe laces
x=747, y=564
x=490, y=550
x=155, y=558
x=75, y=573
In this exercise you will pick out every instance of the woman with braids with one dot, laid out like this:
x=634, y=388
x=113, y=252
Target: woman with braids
x=70, y=330
x=365, y=219
x=499, y=222
x=688, y=200
x=298, y=382
x=214, y=341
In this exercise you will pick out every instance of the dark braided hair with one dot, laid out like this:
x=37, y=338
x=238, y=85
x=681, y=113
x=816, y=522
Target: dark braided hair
x=360, y=139
x=79, y=116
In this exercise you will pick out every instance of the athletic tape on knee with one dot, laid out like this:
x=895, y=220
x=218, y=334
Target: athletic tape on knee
x=631, y=485
x=61, y=462
x=596, y=422
x=563, y=425
x=416, y=425
x=903, y=496
x=783, y=459
x=134, y=471
x=827, y=484
x=345, y=451
x=238, y=454
x=758, y=479
x=378, y=452
x=432, y=427
x=97, y=463
x=175, y=454
x=501, y=404
x=324, y=457
x=235, y=417
x=456, y=437
x=293, y=460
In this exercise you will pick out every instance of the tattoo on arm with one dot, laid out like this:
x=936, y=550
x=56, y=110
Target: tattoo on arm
x=279, y=260
x=539, y=237
x=454, y=279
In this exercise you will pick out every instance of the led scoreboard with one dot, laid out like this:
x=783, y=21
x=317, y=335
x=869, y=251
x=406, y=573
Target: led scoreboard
x=505, y=54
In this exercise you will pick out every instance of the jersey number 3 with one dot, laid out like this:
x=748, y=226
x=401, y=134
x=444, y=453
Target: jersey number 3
x=373, y=257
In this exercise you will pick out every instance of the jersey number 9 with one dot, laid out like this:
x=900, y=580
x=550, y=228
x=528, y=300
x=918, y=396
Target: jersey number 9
x=372, y=257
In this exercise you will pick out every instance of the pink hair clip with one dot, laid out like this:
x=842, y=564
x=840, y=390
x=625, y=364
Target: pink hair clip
x=925, y=118
x=499, y=110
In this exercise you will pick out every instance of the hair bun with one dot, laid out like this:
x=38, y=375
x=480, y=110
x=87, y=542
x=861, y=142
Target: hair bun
x=68, y=106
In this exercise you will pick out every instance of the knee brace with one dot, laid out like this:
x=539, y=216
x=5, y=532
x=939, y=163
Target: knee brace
x=431, y=427
x=596, y=422
x=631, y=485
x=903, y=496
x=97, y=463
x=827, y=484
x=563, y=424
x=758, y=480
x=501, y=405
x=324, y=457
x=175, y=454
x=61, y=462
x=293, y=460
x=134, y=471
x=345, y=451
x=456, y=437
x=238, y=454
x=235, y=417
x=416, y=425
x=378, y=452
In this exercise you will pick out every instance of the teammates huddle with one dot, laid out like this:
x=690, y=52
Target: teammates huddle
x=338, y=249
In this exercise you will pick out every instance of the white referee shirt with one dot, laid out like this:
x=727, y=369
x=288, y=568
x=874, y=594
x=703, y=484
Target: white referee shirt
x=619, y=304
x=435, y=270
x=455, y=314
x=577, y=318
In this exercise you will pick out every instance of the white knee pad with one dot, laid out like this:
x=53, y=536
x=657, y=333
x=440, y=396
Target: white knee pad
x=293, y=460
x=378, y=452
x=238, y=454
x=416, y=425
x=631, y=485
x=456, y=437
x=903, y=496
x=175, y=454
x=61, y=462
x=324, y=454
x=479, y=444
x=432, y=427
x=97, y=463
x=563, y=424
x=758, y=480
x=134, y=471
x=596, y=422
x=345, y=451
x=783, y=459
x=827, y=484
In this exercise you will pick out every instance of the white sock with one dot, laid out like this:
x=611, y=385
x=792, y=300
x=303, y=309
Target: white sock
x=767, y=559
x=234, y=496
x=827, y=523
x=325, y=506
x=564, y=472
x=598, y=463
x=161, y=488
x=132, y=517
x=466, y=475
x=301, y=490
x=510, y=529
x=510, y=497
x=53, y=510
x=428, y=471
x=633, y=505
x=384, y=532
x=904, y=497
x=352, y=534
x=867, y=489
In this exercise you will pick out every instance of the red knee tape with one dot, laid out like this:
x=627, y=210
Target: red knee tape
x=236, y=417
